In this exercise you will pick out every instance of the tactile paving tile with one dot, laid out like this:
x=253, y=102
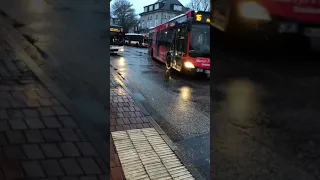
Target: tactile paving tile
x=145, y=155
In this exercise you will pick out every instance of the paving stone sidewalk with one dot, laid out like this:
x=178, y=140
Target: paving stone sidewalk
x=124, y=115
x=137, y=151
x=39, y=139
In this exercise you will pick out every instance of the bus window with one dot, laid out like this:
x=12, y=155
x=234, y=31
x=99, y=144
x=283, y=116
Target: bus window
x=181, y=44
x=162, y=38
x=200, y=39
x=181, y=40
x=170, y=36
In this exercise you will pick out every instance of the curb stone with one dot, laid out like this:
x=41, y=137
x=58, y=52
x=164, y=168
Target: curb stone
x=94, y=137
x=174, y=148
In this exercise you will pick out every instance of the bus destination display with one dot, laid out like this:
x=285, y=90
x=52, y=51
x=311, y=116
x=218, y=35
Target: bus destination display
x=115, y=30
x=202, y=17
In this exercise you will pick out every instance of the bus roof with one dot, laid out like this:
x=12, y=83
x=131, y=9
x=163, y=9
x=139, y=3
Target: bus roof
x=176, y=17
x=189, y=13
x=172, y=19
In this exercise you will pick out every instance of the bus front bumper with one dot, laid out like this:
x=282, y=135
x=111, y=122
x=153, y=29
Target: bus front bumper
x=201, y=70
x=280, y=27
x=198, y=70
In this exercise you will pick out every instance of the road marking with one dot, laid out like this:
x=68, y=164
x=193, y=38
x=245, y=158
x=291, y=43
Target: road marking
x=145, y=155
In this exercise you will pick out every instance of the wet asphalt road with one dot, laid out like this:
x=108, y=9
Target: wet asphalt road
x=265, y=114
x=71, y=36
x=180, y=103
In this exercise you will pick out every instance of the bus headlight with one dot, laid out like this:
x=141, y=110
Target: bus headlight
x=253, y=10
x=188, y=65
x=121, y=49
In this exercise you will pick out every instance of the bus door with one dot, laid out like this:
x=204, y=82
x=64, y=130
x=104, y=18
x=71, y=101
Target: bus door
x=158, y=41
x=150, y=44
x=173, y=45
x=181, y=41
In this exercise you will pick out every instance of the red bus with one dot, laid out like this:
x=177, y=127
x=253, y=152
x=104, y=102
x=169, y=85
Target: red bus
x=297, y=21
x=183, y=43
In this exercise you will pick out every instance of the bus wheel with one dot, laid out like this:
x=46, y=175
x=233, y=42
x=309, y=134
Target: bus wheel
x=168, y=62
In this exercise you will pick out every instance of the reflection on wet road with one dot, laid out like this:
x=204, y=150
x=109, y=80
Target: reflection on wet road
x=241, y=104
x=266, y=120
x=181, y=103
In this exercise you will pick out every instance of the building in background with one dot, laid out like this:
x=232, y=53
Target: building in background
x=158, y=13
x=134, y=29
x=113, y=21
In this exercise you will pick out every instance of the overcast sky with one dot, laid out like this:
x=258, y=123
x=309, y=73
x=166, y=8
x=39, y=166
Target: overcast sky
x=139, y=4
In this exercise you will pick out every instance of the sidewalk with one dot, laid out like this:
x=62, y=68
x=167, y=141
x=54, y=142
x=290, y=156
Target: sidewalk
x=137, y=150
x=39, y=139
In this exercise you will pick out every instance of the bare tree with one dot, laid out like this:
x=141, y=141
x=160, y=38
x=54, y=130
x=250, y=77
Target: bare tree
x=125, y=14
x=199, y=5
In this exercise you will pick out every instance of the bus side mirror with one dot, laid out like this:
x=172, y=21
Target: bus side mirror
x=189, y=24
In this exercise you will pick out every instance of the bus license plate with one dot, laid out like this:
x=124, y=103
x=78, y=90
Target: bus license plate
x=207, y=71
x=287, y=28
x=312, y=32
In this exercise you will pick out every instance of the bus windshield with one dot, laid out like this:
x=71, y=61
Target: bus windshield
x=200, y=40
x=116, y=39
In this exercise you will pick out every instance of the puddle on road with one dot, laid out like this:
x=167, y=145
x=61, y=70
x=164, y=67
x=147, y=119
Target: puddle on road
x=138, y=96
